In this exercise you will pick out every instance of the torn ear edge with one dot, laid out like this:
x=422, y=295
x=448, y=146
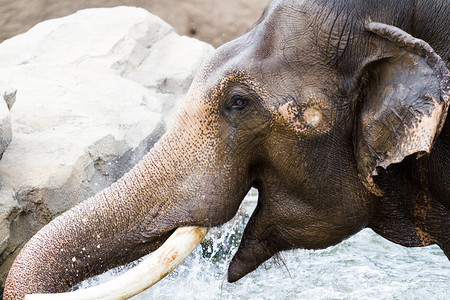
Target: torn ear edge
x=412, y=111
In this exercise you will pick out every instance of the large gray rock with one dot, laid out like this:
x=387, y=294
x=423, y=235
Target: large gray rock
x=95, y=90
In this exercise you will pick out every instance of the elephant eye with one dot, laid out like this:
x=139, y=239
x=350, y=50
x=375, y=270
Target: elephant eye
x=238, y=102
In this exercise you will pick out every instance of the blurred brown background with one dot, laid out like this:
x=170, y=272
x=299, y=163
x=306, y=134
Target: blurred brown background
x=213, y=21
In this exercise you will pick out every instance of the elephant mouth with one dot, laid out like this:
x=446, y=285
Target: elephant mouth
x=159, y=264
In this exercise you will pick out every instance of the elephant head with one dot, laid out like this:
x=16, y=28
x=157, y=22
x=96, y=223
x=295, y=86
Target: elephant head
x=321, y=106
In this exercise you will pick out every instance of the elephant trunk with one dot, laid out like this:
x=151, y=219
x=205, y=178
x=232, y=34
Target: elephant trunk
x=174, y=251
x=118, y=225
x=185, y=180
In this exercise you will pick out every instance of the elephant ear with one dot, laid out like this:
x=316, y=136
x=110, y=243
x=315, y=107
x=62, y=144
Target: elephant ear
x=404, y=102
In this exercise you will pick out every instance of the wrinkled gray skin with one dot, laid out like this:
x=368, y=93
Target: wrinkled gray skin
x=320, y=109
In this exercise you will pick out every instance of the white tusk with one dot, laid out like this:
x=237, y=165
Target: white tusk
x=162, y=261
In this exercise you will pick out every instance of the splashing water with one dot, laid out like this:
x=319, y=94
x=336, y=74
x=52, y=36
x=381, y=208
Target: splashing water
x=365, y=266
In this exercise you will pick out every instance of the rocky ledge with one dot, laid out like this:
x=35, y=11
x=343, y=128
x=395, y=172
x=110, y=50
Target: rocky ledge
x=94, y=91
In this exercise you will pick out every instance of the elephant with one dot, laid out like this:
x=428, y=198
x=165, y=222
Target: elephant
x=335, y=111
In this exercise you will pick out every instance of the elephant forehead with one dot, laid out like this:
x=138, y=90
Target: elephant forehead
x=280, y=41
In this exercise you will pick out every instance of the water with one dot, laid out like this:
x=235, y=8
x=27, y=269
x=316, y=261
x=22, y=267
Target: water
x=366, y=266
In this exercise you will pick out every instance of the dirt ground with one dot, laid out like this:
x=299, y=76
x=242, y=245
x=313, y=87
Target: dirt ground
x=213, y=21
